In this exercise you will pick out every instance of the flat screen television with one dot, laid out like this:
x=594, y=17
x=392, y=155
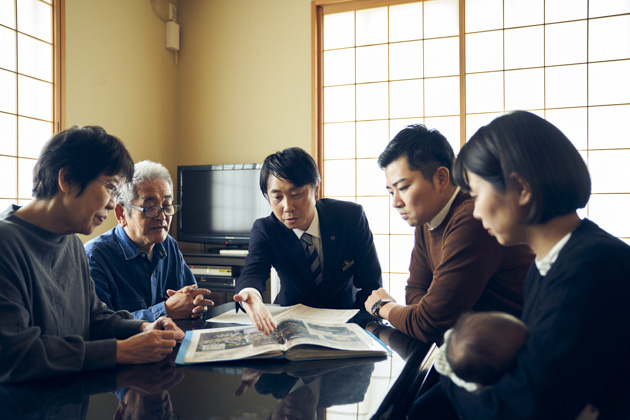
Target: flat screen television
x=219, y=203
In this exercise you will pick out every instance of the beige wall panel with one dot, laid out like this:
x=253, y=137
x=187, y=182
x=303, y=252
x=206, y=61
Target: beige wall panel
x=244, y=79
x=120, y=75
x=241, y=88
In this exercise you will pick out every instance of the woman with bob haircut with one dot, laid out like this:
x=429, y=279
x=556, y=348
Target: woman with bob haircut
x=51, y=321
x=528, y=180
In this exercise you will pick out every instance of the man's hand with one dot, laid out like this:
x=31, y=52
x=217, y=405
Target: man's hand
x=257, y=311
x=187, y=302
x=146, y=347
x=376, y=295
x=163, y=323
x=155, y=341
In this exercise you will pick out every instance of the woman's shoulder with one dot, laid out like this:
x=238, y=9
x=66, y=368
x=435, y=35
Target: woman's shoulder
x=593, y=240
x=592, y=250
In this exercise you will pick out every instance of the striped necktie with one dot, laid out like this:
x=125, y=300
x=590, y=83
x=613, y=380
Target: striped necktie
x=311, y=257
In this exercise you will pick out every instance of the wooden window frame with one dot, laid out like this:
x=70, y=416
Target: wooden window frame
x=321, y=7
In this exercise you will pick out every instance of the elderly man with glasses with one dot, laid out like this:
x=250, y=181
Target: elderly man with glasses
x=137, y=266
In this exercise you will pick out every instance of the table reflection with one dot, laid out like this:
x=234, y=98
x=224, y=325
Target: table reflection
x=68, y=397
x=262, y=389
x=138, y=405
x=307, y=393
x=144, y=395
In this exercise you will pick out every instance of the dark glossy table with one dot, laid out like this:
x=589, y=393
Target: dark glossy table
x=361, y=388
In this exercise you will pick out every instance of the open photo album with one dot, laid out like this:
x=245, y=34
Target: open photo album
x=293, y=340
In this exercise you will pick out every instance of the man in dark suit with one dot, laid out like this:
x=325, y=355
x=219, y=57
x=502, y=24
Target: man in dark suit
x=322, y=249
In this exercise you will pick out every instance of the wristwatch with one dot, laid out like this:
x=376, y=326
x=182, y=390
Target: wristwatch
x=378, y=305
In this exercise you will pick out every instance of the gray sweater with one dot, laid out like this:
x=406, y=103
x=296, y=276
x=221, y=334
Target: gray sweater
x=51, y=321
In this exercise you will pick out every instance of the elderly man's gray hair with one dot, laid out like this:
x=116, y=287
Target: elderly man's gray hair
x=145, y=170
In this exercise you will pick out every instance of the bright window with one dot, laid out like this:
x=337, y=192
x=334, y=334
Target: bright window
x=384, y=65
x=29, y=73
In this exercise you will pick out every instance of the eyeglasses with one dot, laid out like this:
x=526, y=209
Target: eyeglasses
x=155, y=211
x=113, y=189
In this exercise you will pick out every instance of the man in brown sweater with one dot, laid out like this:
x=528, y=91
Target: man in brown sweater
x=456, y=265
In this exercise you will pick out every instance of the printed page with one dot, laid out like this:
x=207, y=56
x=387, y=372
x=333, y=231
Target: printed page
x=231, y=317
x=316, y=315
x=299, y=311
x=349, y=337
x=233, y=343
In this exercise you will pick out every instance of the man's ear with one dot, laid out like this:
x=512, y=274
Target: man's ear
x=316, y=190
x=63, y=180
x=121, y=216
x=441, y=178
x=522, y=189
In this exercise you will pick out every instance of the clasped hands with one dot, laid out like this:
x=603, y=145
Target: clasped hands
x=187, y=302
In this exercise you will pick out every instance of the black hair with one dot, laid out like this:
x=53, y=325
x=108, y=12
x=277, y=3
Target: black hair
x=521, y=143
x=293, y=165
x=86, y=152
x=483, y=346
x=425, y=150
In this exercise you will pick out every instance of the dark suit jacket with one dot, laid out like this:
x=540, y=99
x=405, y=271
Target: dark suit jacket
x=351, y=266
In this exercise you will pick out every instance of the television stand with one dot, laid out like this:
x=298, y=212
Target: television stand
x=218, y=272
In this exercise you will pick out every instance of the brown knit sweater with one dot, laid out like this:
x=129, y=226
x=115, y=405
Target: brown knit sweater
x=459, y=267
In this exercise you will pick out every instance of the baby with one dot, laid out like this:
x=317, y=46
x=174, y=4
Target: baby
x=483, y=346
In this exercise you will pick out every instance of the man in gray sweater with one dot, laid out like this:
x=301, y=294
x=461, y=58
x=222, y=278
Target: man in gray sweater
x=51, y=321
